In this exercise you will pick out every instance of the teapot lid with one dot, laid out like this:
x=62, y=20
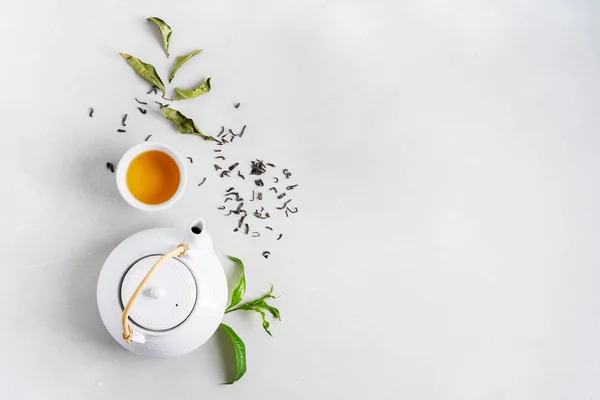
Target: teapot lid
x=169, y=298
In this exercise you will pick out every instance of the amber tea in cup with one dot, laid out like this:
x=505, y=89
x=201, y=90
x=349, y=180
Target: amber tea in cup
x=151, y=176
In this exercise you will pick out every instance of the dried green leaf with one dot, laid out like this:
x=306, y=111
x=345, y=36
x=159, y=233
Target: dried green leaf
x=165, y=30
x=240, y=290
x=146, y=71
x=185, y=124
x=240, y=353
x=183, y=94
x=179, y=61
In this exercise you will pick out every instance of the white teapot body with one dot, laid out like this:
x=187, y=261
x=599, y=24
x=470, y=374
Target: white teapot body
x=184, y=301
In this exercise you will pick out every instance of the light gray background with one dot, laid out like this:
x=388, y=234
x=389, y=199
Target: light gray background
x=447, y=156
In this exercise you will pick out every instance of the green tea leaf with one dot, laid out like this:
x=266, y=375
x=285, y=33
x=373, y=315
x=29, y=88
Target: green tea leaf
x=259, y=305
x=240, y=353
x=165, y=30
x=260, y=302
x=240, y=290
x=265, y=323
x=146, y=71
x=179, y=61
x=183, y=94
x=185, y=124
x=274, y=312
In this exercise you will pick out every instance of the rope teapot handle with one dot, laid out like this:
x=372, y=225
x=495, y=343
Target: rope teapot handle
x=179, y=251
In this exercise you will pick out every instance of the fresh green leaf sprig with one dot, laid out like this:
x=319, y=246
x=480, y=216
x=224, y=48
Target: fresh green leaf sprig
x=259, y=305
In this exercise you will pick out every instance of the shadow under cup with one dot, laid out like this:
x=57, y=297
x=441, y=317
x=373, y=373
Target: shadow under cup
x=151, y=176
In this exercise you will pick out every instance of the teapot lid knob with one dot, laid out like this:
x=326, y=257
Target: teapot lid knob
x=157, y=293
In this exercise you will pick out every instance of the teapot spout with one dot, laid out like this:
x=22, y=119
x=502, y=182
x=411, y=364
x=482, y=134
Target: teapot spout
x=199, y=237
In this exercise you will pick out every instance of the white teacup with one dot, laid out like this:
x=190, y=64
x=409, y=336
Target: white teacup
x=125, y=162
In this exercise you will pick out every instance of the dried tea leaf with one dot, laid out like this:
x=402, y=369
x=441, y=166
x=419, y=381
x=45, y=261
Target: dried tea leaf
x=165, y=30
x=185, y=124
x=183, y=94
x=146, y=71
x=240, y=353
x=179, y=61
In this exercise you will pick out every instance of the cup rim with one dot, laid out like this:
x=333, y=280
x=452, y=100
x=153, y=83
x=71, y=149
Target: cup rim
x=125, y=162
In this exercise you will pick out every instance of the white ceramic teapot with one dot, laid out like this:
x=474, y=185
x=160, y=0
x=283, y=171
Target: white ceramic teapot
x=155, y=304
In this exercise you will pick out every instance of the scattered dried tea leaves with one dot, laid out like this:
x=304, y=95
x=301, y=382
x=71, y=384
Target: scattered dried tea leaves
x=191, y=160
x=124, y=120
x=284, y=205
x=202, y=183
x=258, y=167
x=179, y=61
x=165, y=30
x=147, y=137
x=110, y=167
x=142, y=110
x=121, y=130
x=140, y=102
x=183, y=94
x=146, y=71
x=91, y=112
x=239, y=208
